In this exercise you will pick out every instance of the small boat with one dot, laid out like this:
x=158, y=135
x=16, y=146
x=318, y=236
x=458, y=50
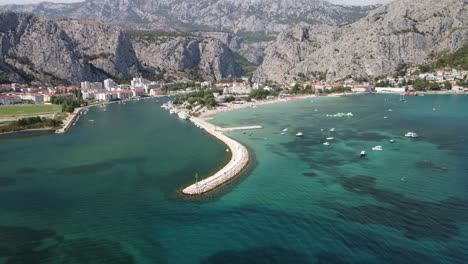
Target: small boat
x=391, y=141
x=284, y=130
x=385, y=117
x=326, y=144
x=411, y=135
x=363, y=153
x=282, y=133
x=332, y=129
x=390, y=110
x=91, y=120
x=183, y=115
x=300, y=134
x=330, y=138
x=377, y=148
x=403, y=179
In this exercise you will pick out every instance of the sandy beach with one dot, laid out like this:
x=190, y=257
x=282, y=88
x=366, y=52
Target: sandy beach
x=232, y=107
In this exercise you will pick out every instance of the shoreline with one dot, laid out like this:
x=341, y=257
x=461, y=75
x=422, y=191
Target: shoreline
x=240, y=156
x=51, y=129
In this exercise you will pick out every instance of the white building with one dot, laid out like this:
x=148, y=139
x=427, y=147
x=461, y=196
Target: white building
x=91, y=85
x=109, y=84
x=37, y=98
x=236, y=88
x=105, y=96
x=139, y=82
x=389, y=90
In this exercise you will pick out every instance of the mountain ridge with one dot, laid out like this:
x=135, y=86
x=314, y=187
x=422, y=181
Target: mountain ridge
x=402, y=32
x=268, y=17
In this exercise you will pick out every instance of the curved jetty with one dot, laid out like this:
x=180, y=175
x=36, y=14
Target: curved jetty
x=239, y=160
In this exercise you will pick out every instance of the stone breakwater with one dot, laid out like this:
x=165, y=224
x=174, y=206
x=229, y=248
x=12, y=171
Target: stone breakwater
x=239, y=160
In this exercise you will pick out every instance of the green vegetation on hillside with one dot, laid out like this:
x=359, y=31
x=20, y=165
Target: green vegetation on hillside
x=457, y=60
x=154, y=35
x=25, y=110
x=246, y=65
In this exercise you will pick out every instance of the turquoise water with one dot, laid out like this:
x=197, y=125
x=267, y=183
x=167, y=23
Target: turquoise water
x=106, y=192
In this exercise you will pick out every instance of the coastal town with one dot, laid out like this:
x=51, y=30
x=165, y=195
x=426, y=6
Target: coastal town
x=197, y=98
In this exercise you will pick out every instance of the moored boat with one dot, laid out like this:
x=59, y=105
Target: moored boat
x=183, y=115
x=411, y=135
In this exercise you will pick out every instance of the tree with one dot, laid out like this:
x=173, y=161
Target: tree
x=448, y=85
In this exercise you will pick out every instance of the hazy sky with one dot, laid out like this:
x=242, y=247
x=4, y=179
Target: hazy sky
x=349, y=2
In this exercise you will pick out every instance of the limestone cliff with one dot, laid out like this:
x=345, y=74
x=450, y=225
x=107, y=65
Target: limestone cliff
x=266, y=16
x=402, y=32
x=62, y=51
x=209, y=58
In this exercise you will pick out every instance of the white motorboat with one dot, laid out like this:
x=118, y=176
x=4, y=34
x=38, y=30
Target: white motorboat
x=326, y=144
x=282, y=133
x=300, y=134
x=332, y=129
x=377, y=148
x=411, y=135
x=330, y=138
x=363, y=153
x=392, y=141
x=183, y=115
x=285, y=130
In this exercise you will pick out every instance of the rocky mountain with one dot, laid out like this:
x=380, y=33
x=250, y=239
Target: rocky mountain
x=264, y=16
x=70, y=51
x=62, y=51
x=187, y=57
x=253, y=51
x=402, y=32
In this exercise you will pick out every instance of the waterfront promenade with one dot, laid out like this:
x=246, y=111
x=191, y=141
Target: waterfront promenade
x=238, y=162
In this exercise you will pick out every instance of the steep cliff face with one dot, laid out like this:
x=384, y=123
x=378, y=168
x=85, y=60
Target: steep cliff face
x=103, y=45
x=253, y=51
x=33, y=48
x=63, y=51
x=403, y=32
x=209, y=57
x=215, y=15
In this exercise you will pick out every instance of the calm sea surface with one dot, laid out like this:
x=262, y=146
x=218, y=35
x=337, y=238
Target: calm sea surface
x=107, y=191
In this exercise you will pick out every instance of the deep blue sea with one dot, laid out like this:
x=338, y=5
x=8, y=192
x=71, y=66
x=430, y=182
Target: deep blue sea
x=108, y=190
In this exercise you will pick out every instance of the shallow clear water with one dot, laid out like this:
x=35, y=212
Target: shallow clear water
x=106, y=192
